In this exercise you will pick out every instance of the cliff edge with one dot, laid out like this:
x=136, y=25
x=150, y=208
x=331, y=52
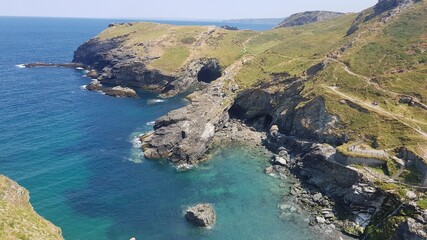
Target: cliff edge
x=18, y=220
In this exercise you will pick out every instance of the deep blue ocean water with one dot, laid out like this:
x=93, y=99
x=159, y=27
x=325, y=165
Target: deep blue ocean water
x=72, y=149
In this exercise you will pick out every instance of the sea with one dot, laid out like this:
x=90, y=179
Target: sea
x=77, y=151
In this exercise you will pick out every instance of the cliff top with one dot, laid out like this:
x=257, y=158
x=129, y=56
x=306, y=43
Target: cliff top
x=18, y=220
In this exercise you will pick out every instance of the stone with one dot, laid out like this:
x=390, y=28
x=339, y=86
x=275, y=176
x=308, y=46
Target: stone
x=317, y=197
x=411, y=195
x=284, y=207
x=269, y=170
x=201, y=215
x=280, y=161
x=320, y=220
x=412, y=230
x=353, y=229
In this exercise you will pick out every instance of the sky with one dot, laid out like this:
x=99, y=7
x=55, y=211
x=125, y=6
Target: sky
x=175, y=9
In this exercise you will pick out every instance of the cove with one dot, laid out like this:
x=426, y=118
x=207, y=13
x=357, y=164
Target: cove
x=72, y=149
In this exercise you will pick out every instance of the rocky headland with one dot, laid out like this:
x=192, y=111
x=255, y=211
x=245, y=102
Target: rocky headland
x=304, y=18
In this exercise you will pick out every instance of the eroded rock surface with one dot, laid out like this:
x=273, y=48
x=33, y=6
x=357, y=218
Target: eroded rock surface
x=201, y=215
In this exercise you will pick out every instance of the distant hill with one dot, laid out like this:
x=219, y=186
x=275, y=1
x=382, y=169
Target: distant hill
x=272, y=21
x=304, y=18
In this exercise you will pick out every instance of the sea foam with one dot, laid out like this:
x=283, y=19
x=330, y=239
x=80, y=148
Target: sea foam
x=154, y=101
x=150, y=123
x=20, y=66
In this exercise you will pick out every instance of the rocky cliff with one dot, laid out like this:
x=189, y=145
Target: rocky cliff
x=304, y=18
x=18, y=220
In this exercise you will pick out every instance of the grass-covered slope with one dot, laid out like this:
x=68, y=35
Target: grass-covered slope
x=18, y=220
x=373, y=57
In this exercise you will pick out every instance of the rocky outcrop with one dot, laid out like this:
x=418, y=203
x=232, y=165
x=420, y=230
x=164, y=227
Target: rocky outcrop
x=387, y=5
x=184, y=135
x=201, y=215
x=384, y=9
x=304, y=18
x=412, y=230
x=18, y=220
x=117, y=91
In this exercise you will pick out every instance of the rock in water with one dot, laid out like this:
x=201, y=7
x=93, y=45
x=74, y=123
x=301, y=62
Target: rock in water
x=201, y=215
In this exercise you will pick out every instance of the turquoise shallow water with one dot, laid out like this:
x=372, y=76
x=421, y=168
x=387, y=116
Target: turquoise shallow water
x=73, y=150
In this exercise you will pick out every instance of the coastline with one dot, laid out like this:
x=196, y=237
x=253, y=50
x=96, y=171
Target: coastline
x=299, y=199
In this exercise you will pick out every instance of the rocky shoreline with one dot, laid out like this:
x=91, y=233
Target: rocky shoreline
x=302, y=199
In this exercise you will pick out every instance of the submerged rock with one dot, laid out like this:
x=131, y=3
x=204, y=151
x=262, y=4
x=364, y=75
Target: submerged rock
x=201, y=215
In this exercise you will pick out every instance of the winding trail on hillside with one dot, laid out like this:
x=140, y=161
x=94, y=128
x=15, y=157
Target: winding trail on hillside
x=378, y=110
x=364, y=78
x=245, y=48
x=377, y=86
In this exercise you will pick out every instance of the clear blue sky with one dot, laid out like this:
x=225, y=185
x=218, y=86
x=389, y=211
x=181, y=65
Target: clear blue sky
x=175, y=9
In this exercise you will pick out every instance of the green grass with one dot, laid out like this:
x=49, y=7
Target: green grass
x=422, y=204
x=172, y=59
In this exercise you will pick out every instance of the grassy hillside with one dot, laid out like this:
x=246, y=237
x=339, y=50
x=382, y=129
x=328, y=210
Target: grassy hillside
x=18, y=220
x=379, y=62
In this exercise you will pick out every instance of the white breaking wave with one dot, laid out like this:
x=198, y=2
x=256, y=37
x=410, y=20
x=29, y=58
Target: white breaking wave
x=20, y=66
x=136, y=154
x=154, y=101
x=83, y=87
x=79, y=68
x=136, y=141
x=150, y=123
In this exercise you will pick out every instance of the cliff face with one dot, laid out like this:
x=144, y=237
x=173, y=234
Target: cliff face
x=304, y=18
x=18, y=220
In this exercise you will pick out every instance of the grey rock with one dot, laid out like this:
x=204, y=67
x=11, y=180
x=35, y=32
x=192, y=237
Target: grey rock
x=184, y=135
x=201, y=215
x=411, y=195
x=280, y=161
x=320, y=220
x=412, y=230
x=317, y=197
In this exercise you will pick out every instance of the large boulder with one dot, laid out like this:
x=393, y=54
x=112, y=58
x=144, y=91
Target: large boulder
x=201, y=215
